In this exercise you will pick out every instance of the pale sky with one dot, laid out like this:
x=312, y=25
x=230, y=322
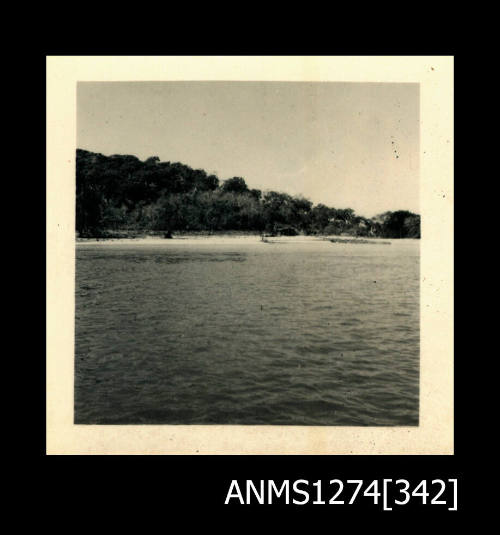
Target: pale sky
x=346, y=145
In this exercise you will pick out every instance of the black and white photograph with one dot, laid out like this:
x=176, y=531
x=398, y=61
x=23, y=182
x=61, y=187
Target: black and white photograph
x=247, y=253
x=265, y=256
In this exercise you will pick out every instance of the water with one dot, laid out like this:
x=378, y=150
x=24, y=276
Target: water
x=294, y=333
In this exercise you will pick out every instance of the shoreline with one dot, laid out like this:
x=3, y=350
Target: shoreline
x=233, y=239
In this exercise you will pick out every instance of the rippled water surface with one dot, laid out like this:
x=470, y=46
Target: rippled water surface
x=295, y=333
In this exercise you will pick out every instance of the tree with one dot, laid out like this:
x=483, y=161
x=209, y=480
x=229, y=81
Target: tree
x=346, y=215
x=321, y=216
x=235, y=185
x=394, y=225
x=276, y=209
x=412, y=226
x=123, y=192
x=300, y=211
x=256, y=194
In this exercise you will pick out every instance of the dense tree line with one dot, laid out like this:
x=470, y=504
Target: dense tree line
x=124, y=193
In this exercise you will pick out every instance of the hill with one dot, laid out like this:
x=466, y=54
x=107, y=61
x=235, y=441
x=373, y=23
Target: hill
x=121, y=192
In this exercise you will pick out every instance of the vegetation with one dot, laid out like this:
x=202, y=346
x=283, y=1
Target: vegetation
x=124, y=193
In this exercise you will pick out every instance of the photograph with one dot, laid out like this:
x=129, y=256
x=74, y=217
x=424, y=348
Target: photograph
x=247, y=253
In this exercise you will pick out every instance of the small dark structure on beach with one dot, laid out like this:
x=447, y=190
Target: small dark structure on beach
x=284, y=230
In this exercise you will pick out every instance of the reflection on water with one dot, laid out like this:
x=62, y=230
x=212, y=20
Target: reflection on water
x=306, y=333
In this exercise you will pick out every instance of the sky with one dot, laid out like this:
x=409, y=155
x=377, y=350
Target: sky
x=346, y=145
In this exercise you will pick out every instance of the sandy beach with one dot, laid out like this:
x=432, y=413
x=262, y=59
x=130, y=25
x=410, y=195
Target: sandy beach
x=224, y=239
